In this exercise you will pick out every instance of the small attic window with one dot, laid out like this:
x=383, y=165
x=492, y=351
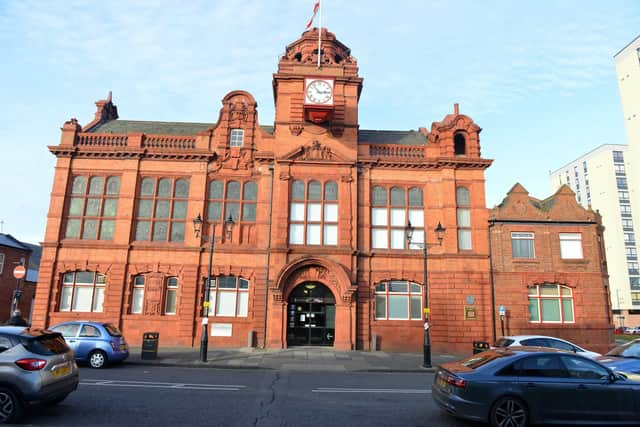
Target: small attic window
x=459, y=145
x=237, y=138
x=298, y=56
x=338, y=59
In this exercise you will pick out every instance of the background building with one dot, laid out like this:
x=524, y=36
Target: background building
x=549, y=268
x=316, y=254
x=600, y=180
x=12, y=253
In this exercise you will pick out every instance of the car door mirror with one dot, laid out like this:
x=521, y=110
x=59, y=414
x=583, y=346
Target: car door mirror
x=612, y=377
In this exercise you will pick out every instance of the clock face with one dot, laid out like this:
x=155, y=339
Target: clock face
x=319, y=92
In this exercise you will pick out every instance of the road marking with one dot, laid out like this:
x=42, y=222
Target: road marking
x=166, y=385
x=370, y=390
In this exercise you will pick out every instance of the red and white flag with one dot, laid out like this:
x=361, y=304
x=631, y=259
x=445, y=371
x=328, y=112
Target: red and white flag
x=316, y=6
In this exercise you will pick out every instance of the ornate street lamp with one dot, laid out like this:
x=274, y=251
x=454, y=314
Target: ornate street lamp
x=197, y=228
x=439, y=230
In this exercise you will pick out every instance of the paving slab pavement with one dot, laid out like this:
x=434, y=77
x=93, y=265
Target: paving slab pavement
x=298, y=358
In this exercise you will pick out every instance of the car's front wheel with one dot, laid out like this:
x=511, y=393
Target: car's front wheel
x=97, y=359
x=509, y=411
x=10, y=406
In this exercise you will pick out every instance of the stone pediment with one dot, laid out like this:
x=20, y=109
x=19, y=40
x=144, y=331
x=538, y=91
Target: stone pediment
x=314, y=152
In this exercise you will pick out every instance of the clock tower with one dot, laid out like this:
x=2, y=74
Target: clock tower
x=317, y=100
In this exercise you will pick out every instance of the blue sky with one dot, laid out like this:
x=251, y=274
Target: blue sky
x=538, y=77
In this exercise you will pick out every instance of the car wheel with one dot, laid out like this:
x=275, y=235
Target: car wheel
x=97, y=359
x=10, y=406
x=509, y=411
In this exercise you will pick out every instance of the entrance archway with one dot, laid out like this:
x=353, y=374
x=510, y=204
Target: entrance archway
x=311, y=315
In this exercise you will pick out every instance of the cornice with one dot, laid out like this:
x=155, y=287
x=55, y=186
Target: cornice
x=399, y=163
x=77, y=152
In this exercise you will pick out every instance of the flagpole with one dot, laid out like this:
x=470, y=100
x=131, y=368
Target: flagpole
x=319, y=32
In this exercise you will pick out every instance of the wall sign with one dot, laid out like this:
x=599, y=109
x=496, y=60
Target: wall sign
x=221, y=329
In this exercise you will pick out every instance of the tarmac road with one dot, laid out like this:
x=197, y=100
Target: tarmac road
x=174, y=396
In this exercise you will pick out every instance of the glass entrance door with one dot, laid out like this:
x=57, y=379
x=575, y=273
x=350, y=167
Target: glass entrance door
x=311, y=315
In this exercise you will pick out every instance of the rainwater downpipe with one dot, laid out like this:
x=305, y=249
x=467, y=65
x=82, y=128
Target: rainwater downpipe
x=493, y=290
x=266, y=290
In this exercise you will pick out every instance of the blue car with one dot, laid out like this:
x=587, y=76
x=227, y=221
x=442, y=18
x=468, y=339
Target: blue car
x=624, y=358
x=94, y=342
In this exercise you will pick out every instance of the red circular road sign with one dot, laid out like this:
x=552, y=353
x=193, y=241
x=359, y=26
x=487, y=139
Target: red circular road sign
x=19, y=272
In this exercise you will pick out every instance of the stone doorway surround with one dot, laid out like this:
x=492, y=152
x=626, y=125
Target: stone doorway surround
x=330, y=274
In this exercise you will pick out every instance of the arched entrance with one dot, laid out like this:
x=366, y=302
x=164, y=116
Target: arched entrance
x=311, y=315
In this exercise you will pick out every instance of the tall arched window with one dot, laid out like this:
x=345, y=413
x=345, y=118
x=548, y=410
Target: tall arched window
x=171, y=296
x=459, y=144
x=162, y=209
x=92, y=208
x=389, y=216
x=551, y=303
x=463, y=212
x=313, y=214
x=137, y=295
x=239, y=201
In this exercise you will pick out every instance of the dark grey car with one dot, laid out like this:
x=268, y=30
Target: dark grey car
x=36, y=366
x=519, y=386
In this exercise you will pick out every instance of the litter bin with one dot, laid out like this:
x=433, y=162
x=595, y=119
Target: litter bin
x=150, y=345
x=480, y=346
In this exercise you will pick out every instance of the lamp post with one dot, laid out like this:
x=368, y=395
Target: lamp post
x=439, y=230
x=197, y=227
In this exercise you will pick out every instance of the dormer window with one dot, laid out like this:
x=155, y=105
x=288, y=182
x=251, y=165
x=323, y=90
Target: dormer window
x=237, y=138
x=459, y=145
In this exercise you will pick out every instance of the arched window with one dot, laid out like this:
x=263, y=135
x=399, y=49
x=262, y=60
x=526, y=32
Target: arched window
x=137, y=295
x=171, y=294
x=229, y=296
x=398, y=300
x=551, y=303
x=162, y=209
x=92, y=209
x=463, y=212
x=239, y=201
x=459, y=145
x=313, y=215
x=82, y=291
x=389, y=219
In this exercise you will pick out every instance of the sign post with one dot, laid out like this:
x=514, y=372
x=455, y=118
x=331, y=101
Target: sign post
x=502, y=311
x=18, y=272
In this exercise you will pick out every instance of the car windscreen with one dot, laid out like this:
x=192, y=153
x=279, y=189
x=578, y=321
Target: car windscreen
x=504, y=342
x=112, y=330
x=630, y=349
x=46, y=345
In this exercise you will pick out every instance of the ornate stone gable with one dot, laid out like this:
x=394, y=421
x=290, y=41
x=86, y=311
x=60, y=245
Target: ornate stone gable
x=562, y=206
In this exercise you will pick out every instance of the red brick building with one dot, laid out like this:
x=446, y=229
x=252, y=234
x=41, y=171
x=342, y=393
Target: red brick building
x=549, y=271
x=12, y=253
x=317, y=254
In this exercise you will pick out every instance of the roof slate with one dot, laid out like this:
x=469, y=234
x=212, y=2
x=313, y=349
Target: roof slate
x=398, y=137
x=9, y=241
x=181, y=128
x=151, y=128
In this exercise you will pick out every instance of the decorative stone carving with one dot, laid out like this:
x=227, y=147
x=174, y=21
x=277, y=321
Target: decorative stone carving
x=153, y=295
x=346, y=178
x=238, y=110
x=316, y=151
x=296, y=128
x=337, y=131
